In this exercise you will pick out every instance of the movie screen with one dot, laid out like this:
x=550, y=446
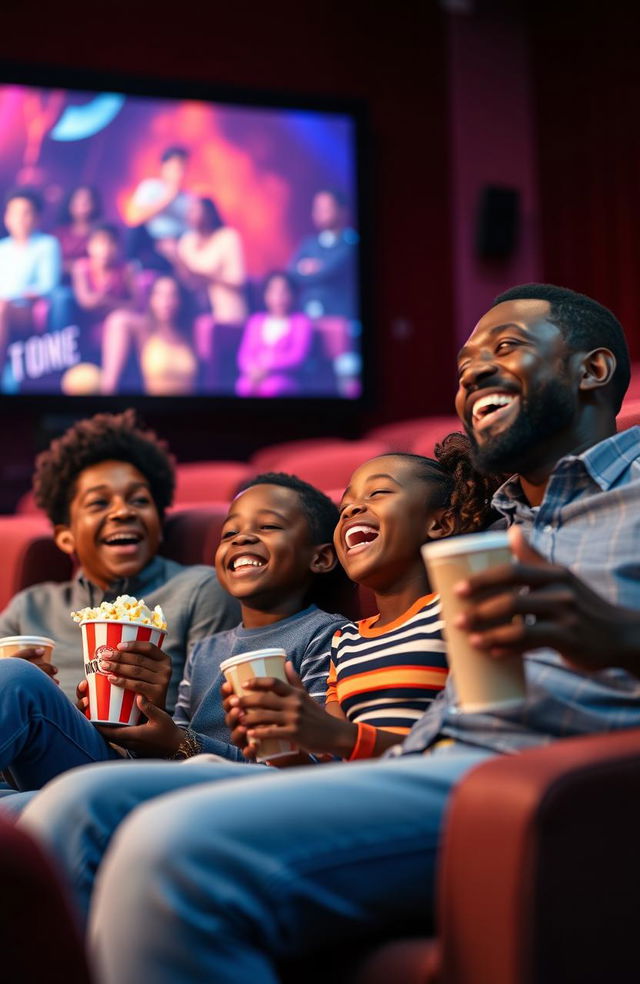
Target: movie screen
x=168, y=247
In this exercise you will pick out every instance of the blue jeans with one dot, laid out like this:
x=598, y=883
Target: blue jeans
x=41, y=732
x=220, y=881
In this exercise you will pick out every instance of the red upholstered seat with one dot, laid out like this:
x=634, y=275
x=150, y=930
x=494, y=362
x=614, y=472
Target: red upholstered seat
x=39, y=940
x=267, y=458
x=29, y=555
x=209, y=481
x=192, y=534
x=26, y=505
x=629, y=414
x=403, y=434
x=426, y=442
x=331, y=466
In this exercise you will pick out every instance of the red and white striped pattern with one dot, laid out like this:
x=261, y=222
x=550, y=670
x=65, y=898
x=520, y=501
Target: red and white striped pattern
x=109, y=704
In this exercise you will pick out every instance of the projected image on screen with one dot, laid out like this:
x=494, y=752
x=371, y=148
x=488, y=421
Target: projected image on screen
x=171, y=247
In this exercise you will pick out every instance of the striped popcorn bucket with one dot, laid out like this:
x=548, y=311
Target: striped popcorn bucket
x=109, y=704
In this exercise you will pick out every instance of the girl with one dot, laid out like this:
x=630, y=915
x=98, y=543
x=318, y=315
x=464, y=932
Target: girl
x=385, y=670
x=162, y=336
x=275, y=343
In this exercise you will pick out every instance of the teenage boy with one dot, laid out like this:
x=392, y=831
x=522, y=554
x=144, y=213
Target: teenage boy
x=105, y=485
x=263, y=869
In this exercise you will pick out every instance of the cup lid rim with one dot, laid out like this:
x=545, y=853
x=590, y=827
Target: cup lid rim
x=450, y=546
x=254, y=654
x=33, y=640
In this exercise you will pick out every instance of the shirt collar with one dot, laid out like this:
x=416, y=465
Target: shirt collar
x=604, y=462
x=148, y=579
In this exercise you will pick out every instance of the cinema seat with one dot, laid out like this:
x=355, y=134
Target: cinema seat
x=39, y=940
x=268, y=457
x=426, y=442
x=209, y=481
x=633, y=392
x=26, y=505
x=192, y=534
x=629, y=415
x=537, y=881
x=29, y=555
x=331, y=466
x=403, y=434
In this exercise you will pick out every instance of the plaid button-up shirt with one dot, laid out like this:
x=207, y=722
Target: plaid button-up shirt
x=589, y=521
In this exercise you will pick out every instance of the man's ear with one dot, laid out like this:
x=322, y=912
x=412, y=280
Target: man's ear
x=597, y=369
x=440, y=524
x=64, y=539
x=324, y=558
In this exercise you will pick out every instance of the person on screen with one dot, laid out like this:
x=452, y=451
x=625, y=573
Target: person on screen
x=158, y=212
x=210, y=254
x=324, y=266
x=102, y=283
x=82, y=207
x=275, y=343
x=30, y=267
x=211, y=257
x=161, y=337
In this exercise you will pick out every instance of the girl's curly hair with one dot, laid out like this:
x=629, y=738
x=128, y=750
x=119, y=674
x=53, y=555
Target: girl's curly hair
x=456, y=484
x=104, y=437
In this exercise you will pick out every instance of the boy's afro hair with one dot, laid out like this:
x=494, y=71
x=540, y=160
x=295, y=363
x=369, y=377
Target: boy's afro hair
x=104, y=437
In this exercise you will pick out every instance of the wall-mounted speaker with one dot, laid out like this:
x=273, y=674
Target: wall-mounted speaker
x=498, y=222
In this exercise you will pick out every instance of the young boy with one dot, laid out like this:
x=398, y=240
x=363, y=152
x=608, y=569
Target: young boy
x=276, y=543
x=105, y=485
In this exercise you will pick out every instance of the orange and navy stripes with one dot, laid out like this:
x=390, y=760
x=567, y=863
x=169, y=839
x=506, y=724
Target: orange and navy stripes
x=388, y=676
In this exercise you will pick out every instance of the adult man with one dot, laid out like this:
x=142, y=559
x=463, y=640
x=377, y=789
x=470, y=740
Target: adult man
x=231, y=877
x=30, y=266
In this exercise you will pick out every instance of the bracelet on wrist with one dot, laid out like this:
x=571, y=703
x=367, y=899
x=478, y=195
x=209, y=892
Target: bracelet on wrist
x=188, y=747
x=365, y=742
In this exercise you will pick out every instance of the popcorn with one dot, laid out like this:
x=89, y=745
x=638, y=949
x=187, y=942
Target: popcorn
x=123, y=609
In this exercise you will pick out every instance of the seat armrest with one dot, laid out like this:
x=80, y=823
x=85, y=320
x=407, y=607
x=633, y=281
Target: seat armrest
x=540, y=867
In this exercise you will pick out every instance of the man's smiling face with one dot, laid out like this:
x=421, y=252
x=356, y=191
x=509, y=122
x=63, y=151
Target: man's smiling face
x=516, y=386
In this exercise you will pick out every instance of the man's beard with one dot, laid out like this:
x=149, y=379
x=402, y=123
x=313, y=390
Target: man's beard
x=518, y=448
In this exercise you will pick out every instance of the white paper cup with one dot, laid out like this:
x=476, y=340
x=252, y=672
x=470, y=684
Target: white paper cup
x=10, y=645
x=109, y=704
x=481, y=681
x=238, y=670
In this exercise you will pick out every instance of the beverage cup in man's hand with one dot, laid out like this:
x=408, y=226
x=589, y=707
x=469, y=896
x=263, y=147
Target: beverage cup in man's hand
x=481, y=681
x=238, y=670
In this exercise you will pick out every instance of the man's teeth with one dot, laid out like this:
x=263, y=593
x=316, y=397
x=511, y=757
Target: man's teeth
x=246, y=562
x=360, y=534
x=487, y=404
x=123, y=538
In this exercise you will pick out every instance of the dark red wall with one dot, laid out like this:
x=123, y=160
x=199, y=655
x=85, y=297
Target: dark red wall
x=586, y=74
x=395, y=62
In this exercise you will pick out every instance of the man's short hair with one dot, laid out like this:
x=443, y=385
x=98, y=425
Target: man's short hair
x=30, y=194
x=585, y=325
x=104, y=437
x=174, y=151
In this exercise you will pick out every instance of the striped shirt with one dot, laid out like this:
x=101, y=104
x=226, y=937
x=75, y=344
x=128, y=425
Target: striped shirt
x=588, y=521
x=388, y=676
